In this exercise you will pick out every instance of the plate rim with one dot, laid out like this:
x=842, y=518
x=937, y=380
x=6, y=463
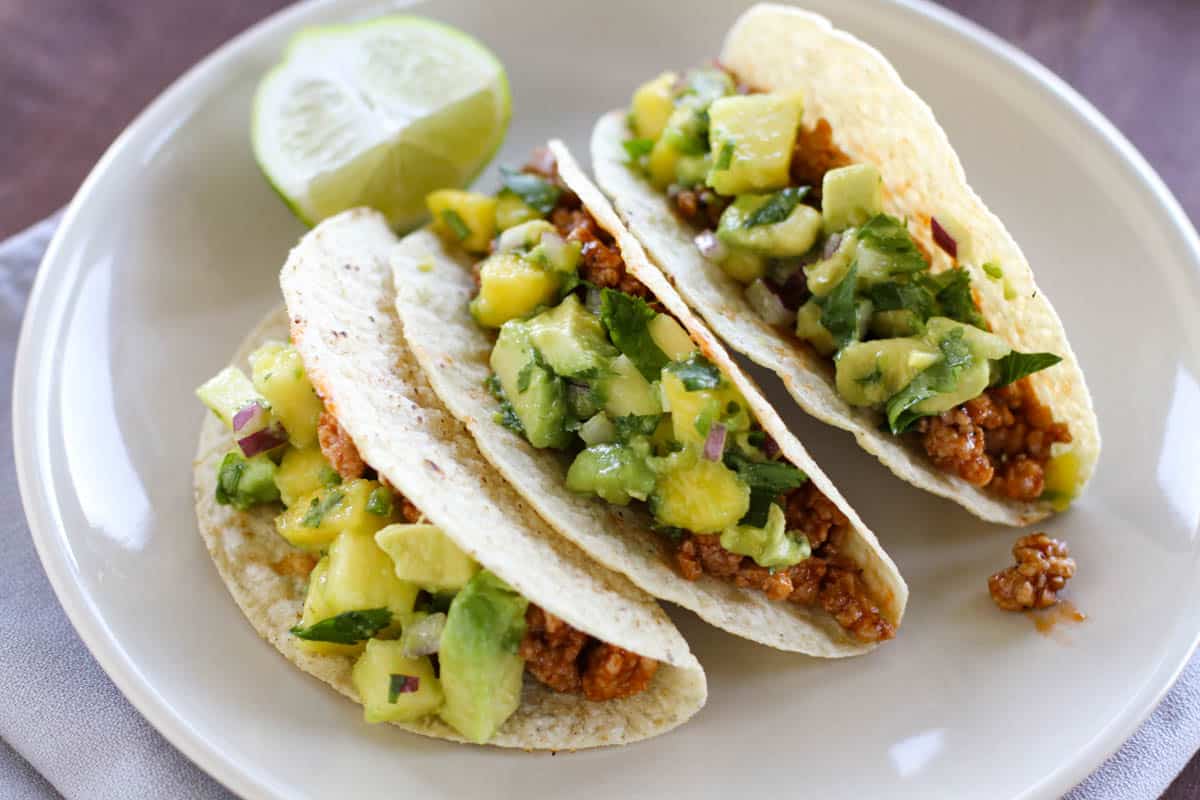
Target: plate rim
x=46, y=529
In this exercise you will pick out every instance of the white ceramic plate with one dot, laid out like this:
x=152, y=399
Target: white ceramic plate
x=170, y=252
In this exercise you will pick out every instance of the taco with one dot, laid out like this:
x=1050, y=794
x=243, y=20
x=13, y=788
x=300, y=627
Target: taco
x=807, y=204
x=609, y=406
x=363, y=536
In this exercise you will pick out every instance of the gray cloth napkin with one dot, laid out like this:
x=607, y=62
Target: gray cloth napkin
x=66, y=731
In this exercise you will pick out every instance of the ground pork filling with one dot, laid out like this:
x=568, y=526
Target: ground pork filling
x=1000, y=440
x=1043, y=567
x=565, y=659
x=826, y=579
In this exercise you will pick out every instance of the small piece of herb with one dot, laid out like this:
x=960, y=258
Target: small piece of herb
x=318, y=508
x=889, y=237
x=993, y=270
x=538, y=193
x=229, y=475
x=380, y=501
x=696, y=373
x=627, y=320
x=636, y=148
x=525, y=376
x=953, y=295
x=777, y=208
x=839, y=315
x=455, y=223
x=937, y=379
x=766, y=479
x=868, y=380
x=632, y=425
x=671, y=532
x=507, y=415
x=725, y=157
x=349, y=627
x=903, y=295
x=329, y=477
x=1015, y=366
x=402, y=684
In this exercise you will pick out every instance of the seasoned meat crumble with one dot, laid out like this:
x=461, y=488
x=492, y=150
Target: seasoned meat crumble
x=1043, y=567
x=568, y=660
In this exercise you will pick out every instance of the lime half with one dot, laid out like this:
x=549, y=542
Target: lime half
x=378, y=113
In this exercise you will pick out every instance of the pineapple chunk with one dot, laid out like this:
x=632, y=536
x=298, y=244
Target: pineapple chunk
x=691, y=412
x=303, y=472
x=466, y=218
x=699, y=495
x=511, y=211
x=661, y=164
x=393, y=688
x=361, y=576
x=316, y=608
x=279, y=375
x=425, y=556
x=316, y=519
x=1062, y=479
x=761, y=130
x=652, y=105
x=511, y=287
x=671, y=338
x=228, y=392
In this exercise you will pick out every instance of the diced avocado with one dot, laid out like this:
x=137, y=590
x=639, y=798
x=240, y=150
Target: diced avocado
x=425, y=556
x=228, y=392
x=761, y=129
x=794, y=235
x=850, y=196
x=686, y=130
x=770, y=546
x=670, y=337
x=556, y=254
x=245, y=482
x=481, y=671
x=314, y=520
x=870, y=372
x=627, y=392
x=1062, y=479
x=467, y=219
x=511, y=211
x=692, y=170
x=393, y=688
x=810, y=329
x=824, y=275
x=537, y=395
x=702, y=86
x=975, y=376
x=524, y=236
x=660, y=166
x=615, y=472
x=279, y=375
x=898, y=322
x=599, y=429
x=362, y=576
x=302, y=472
x=510, y=287
x=571, y=340
x=316, y=608
x=698, y=495
x=653, y=103
x=743, y=266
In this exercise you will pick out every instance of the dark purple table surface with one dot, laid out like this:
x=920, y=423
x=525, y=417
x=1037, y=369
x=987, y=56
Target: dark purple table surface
x=73, y=74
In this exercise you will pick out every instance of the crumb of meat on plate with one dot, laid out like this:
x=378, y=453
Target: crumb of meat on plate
x=1043, y=567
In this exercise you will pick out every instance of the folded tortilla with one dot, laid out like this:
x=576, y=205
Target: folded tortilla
x=340, y=310
x=433, y=287
x=875, y=119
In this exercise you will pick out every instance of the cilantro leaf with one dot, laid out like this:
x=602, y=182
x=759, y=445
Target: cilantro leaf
x=1015, y=366
x=380, y=501
x=766, y=479
x=329, y=477
x=903, y=295
x=889, y=237
x=507, y=415
x=348, y=627
x=455, y=223
x=937, y=379
x=725, y=157
x=525, y=376
x=401, y=684
x=839, y=315
x=953, y=295
x=632, y=425
x=627, y=320
x=696, y=373
x=636, y=148
x=319, y=507
x=777, y=208
x=536, y=192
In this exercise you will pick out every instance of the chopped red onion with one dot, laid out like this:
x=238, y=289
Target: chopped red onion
x=714, y=445
x=252, y=417
x=770, y=447
x=710, y=246
x=263, y=440
x=767, y=304
x=831, y=245
x=423, y=637
x=402, y=684
x=943, y=238
x=793, y=292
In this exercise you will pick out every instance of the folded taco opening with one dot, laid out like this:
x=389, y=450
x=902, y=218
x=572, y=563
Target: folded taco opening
x=431, y=632
x=588, y=363
x=787, y=214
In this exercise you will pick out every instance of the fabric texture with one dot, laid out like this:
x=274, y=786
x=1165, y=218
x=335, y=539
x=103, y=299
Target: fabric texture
x=66, y=731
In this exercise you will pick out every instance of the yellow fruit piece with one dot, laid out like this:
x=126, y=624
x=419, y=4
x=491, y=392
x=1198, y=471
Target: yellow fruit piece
x=279, y=376
x=467, y=219
x=316, y=519
x=699, y=495
x=511, y=287
x=373, y=678
x=652, y=105
x=316, y=608
x=661, y=164
x=761, y=130
x=302, y=472
x=671, y=338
